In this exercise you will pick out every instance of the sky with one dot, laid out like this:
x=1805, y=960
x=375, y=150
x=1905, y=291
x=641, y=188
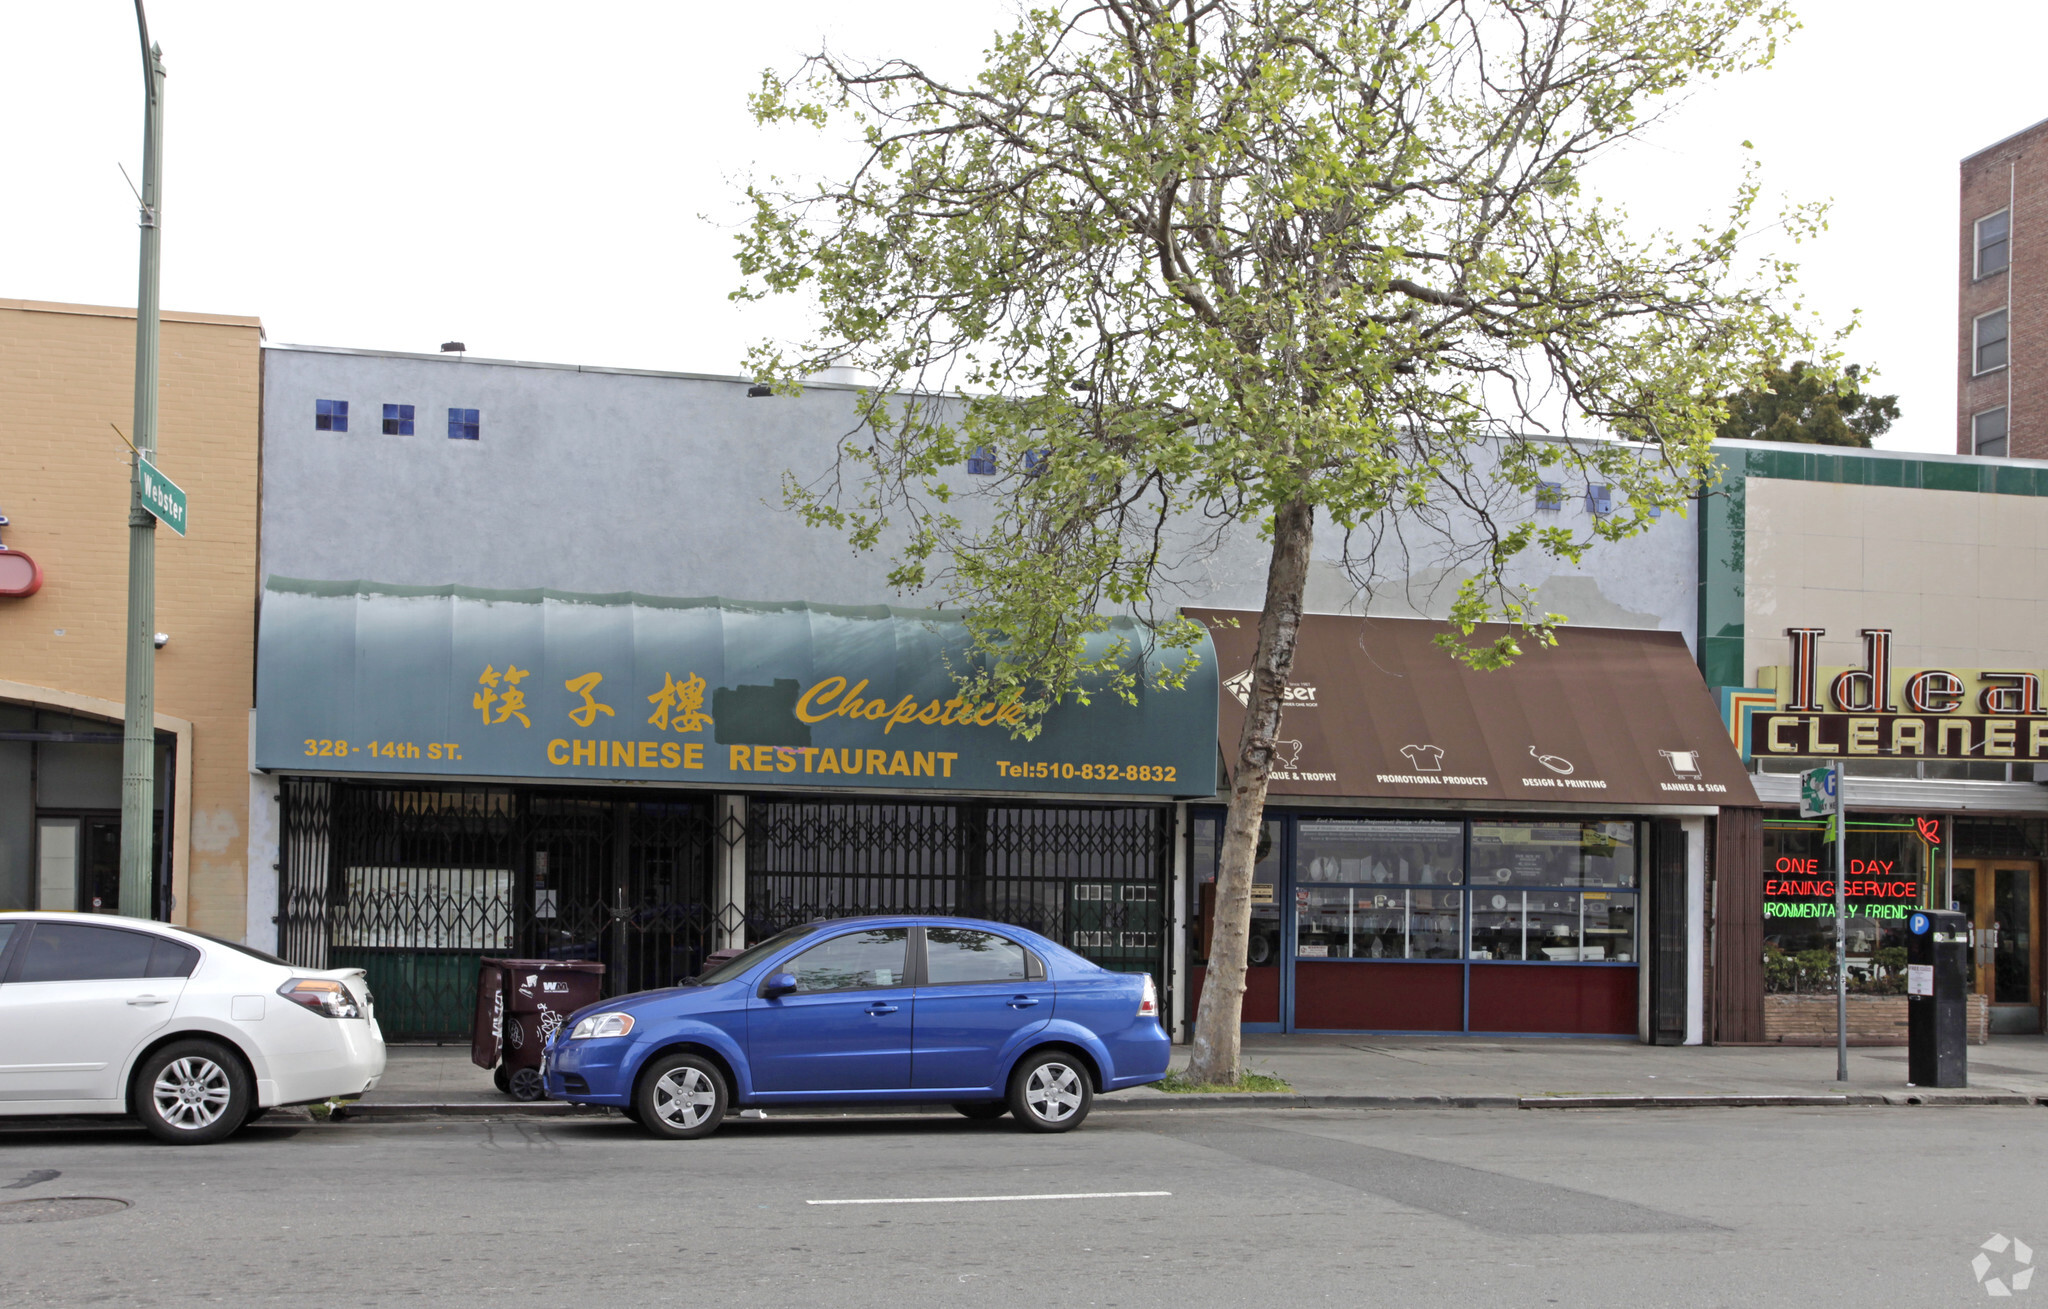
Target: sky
x=562, y=183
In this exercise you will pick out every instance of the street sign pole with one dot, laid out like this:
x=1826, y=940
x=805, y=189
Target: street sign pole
x=1841, y=930
x=138, y=736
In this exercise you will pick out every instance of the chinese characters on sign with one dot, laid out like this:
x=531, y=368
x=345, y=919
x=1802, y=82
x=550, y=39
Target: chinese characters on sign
x=679, y=704
x=586, y=713
x=511, y=702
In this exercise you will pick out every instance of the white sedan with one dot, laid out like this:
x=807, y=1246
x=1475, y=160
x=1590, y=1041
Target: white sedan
x=192, y=1035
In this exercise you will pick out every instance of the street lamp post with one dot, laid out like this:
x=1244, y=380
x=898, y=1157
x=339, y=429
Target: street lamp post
x=138, y=738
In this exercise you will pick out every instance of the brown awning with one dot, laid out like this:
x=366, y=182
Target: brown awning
x=1376, y=710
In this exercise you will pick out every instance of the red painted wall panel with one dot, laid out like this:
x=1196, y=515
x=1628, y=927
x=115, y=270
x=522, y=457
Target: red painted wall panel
x=1261, y=994
x=1378, y=997
x=1554, y=998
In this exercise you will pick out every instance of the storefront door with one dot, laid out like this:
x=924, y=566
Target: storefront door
x=1265, y=953
x=2003, y=899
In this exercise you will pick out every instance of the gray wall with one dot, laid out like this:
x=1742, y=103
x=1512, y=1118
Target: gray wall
x=671, y=484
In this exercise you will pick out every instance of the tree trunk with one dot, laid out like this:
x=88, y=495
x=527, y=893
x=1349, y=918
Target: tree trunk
x=1217, y=1048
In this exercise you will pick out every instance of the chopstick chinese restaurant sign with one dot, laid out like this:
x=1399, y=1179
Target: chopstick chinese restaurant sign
x=355, y=678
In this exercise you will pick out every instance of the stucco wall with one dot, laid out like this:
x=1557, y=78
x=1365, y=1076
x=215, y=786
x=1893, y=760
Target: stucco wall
x=597, y=480
x=1960, y=578
x=67, y=373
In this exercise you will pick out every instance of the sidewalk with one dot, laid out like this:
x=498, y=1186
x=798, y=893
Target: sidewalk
x=1431, y=1072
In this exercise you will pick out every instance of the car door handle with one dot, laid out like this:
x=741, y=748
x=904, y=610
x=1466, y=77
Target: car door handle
x=1021, y=1001
x=879, y=1009
x=149, y=999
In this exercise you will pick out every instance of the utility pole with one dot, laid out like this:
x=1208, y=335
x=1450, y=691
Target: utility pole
x=138, y=744
x=1841, y=927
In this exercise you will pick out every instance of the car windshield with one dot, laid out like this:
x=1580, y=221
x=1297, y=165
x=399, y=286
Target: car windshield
x=750, y=956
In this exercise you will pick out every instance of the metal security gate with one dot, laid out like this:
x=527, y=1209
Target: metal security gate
x=417, y=885
x=1093, y=879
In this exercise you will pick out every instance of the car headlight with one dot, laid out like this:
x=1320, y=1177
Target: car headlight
x=602, y=1025
x=323, y=995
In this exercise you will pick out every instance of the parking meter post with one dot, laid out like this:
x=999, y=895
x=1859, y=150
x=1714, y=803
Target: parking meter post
x=1937, y=998
x=1841, y=929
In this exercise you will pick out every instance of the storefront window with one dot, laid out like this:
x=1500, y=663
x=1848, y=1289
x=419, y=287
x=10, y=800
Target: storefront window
x=1888, y=863
x=1403, y=922
x=1377, y=852
x=1554, y=854
x=1551, y=926
x=1399, y=907
x=1263, y=949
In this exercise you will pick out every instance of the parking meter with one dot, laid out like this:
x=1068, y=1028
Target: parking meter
x=1937, y=998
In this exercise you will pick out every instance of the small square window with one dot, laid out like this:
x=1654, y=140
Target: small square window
x=1994, y=243
x=1987, y=433
x=1990, y=342
x=398, y=420
x=330, y=415
x=1599, y=499
x=462, y=425
x=981, y=462
x=1550, y=496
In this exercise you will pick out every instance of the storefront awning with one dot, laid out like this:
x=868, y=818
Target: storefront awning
x=357, y=678
x=1375, y=710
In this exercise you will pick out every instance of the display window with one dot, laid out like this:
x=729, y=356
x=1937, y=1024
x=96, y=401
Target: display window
x=1889, y=861
x=1414, y=924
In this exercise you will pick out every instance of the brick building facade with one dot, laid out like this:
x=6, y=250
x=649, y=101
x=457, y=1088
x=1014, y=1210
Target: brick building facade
x=66, y=382
x=2002, y=303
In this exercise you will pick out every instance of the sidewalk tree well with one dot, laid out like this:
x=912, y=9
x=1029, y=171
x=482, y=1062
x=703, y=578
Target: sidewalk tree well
x=1162, y=268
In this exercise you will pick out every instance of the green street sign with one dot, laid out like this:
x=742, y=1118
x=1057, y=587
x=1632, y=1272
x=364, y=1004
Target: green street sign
x=1817, y=798
x=163, y=497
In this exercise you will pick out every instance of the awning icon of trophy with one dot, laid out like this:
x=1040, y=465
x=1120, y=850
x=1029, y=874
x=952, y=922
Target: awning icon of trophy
x=1685, y=764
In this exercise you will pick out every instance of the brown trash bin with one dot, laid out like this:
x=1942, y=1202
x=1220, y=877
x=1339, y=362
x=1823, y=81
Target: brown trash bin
x=519, y=1004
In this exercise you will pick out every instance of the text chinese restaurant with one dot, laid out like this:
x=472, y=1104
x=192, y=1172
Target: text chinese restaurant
x=644, y=781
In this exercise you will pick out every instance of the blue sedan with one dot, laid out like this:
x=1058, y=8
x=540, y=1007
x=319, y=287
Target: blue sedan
x=988, y=1018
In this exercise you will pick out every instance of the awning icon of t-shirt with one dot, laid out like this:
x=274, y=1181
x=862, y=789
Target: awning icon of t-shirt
x=1424, y=758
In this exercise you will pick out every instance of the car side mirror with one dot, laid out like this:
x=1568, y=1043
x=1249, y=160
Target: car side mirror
x=778, y=984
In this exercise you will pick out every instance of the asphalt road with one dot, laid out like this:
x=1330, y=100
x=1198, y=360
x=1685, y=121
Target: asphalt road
x=1871, y=1207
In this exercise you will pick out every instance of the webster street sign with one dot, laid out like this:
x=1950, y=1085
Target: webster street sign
x=163, y=497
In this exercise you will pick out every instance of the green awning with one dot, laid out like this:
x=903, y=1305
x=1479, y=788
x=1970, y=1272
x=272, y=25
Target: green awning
x=362, y=678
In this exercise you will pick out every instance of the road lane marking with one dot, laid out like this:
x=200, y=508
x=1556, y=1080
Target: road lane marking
x=989, y=1199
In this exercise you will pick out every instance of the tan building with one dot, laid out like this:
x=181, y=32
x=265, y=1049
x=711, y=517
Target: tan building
x=66, y=383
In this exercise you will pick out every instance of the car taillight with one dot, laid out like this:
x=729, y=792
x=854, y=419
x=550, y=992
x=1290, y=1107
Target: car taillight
x=323, y=995
x=1148, y=1003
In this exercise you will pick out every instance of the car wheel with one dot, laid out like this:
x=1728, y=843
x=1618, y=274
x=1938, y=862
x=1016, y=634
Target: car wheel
x=680, y=1097
x=983, y=1109
x=632, y=1112
x=192, y=1093
x=525, y=1084
x=1049, y=1092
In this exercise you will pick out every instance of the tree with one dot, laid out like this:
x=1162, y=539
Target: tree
x=1812, y=406
x=1182, y=266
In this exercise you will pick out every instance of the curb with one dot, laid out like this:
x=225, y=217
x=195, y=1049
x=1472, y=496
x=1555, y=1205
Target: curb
x=1162, y=1103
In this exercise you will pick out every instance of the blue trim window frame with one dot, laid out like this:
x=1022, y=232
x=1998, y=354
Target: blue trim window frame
x=463, y=425
x=1591, y=895
x=330, y=415
x=398, y=420
x=981, y=462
